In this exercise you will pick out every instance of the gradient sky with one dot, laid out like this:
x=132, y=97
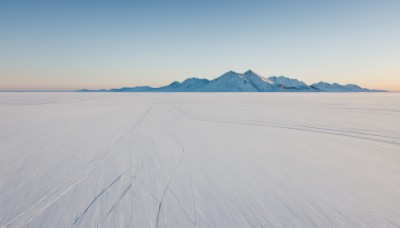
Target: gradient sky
x=105, y=44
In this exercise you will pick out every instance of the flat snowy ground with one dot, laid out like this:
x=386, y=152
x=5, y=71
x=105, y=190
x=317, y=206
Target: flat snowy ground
x=199, y=159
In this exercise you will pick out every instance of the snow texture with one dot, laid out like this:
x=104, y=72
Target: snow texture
x=200, y=159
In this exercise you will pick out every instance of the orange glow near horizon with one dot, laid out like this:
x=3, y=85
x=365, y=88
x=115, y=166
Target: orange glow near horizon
x=75, y=85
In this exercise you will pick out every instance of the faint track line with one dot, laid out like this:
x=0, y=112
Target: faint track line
x=194, y=201
x=133, y=170
x=115, y=205
x=181, y=207
x=131, y=179
x=362, y=135
x=96, y=162
x=298, y=129
x=148, y=191
x=337, y=130
x=165, y=189
x=78, y=219
x=174, y=172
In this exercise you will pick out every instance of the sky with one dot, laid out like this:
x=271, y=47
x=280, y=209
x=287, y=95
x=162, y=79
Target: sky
x=74, y=44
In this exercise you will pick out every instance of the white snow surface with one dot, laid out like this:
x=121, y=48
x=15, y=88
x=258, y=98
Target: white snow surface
x=200, y=159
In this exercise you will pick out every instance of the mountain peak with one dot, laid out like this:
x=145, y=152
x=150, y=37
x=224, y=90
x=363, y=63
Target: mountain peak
x=174, y=83
x=191, y=79
x=231, y=72
x=249, y=72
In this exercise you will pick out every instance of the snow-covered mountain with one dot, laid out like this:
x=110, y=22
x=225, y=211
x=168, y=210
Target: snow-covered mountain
x=243, y=82
x=189, y=84
x=132, y=89
x=285, y=83
x=229, y=82
x=334, y=87
x=259, y=82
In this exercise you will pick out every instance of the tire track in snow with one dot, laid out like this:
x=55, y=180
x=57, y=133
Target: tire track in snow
x=299, y=129
x=335, y=130
x=174, y=172
x=194, y=202
x=350, y=133
x=19, y=218
x=181, y=207
x=115, y=205
x=168, y=184
x=78, y=219
x=133, y=170
x=33, y=212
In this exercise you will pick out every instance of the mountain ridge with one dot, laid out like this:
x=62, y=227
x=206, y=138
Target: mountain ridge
x=248, y=81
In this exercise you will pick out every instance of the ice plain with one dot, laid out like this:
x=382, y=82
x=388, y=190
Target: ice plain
x=200, y=159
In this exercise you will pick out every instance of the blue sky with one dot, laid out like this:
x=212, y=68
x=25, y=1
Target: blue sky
x=104, y=44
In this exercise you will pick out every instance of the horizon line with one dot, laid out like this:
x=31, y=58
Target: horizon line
x=105, y=91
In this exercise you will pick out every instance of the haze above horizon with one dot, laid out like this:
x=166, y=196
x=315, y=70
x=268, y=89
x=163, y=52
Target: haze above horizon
x=70, y=45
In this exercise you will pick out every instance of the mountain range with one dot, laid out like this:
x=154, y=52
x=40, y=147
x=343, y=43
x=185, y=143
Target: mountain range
x=242, y=82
